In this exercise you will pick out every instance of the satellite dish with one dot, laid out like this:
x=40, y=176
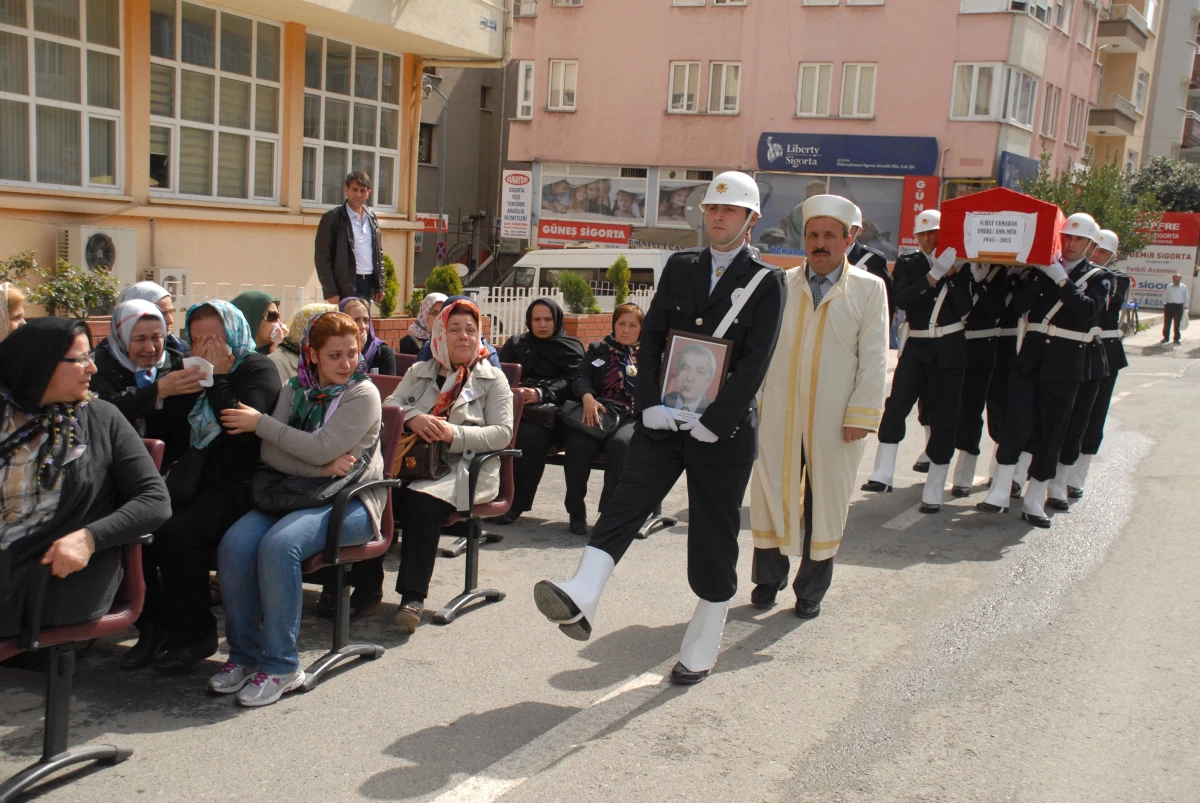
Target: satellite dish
x=692, y=212
x=100, y=252
x=461, y=269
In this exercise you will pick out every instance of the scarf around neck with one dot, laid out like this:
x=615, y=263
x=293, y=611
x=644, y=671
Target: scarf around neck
x=239, y=339
x=561, y=349
x=311, y=403
x=456, y=376
x=126, y=316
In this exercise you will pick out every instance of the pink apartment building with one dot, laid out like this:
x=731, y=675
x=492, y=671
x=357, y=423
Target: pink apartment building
x=624, y=106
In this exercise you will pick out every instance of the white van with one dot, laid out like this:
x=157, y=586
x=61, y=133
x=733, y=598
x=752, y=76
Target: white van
x=539, y=269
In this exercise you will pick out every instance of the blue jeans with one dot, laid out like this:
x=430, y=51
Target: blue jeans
x=259, y=566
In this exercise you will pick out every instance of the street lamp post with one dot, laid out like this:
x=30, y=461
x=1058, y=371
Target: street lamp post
x=428, y=87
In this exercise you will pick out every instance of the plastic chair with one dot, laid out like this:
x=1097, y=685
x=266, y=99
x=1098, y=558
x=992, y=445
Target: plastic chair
x=403, y=363
x=59, y=642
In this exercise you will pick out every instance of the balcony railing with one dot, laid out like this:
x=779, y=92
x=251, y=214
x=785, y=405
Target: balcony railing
x=1121, y=104
x=1191, y=130
x=1124, y=11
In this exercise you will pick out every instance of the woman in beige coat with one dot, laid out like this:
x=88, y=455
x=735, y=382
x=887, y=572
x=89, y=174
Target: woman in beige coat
x=460, y=398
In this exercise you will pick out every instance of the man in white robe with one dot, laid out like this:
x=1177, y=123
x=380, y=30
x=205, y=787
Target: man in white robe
x=823, y=393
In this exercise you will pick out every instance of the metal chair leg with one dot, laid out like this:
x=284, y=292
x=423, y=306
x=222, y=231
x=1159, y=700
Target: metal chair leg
x=655, y=521
x=23, y=780
x=342, y=649
x=471, y=593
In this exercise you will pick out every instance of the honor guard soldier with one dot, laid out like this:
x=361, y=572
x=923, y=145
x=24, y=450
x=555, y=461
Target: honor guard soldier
x=721, y=291
x=1060, y=301
x=933, y=356
x=1006, y=349
x=871, y=261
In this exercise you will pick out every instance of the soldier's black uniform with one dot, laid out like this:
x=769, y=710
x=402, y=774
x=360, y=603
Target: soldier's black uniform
x=717, y=473
x=983, y=331
x=875, y=264
x=1006, y=349
x=928, y=366
x=1095, y=371
x=1110, y=336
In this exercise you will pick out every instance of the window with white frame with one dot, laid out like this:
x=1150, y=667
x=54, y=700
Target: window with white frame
x=525, y=90
x=1050, y=111
x=351, y=120
x=1131, y=161
x=1140, y=89
x=564, y=76
x=1062, y=15
x=567, y=2
x=974, y=95
x=858, y=90
x=1076, y=120
x=812, y=90
x=729, y=2
x=1020, y=98
x=1039, y=10
x=687, y=2
x=1088, y=20
x=1150, y=12
x=685, y=87
x=215, y=103
x=60, y=93
x=724, y=87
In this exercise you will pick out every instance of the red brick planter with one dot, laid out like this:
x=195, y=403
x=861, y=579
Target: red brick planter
x=588, y=328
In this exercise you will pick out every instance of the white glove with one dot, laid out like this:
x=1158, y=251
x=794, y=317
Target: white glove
x=699, y=431
x=979, y=272
x=659, y=417
x=1055, y=271
x=943, y=263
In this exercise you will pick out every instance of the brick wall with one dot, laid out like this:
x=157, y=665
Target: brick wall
x=588, y=328
x=100, y=327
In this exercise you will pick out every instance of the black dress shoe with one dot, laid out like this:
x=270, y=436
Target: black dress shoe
x=807, y=610
x=578, y=525
x=1074, y=493
x=1058, y=504
x=504, y=518
x=877, y=487
x=1036, y=521
x=365, y=603
x=988, y=507
x=927, y=508
x=960, y=491
x=921, y=468
x=1015, y=493
x=180, y=660
x=149, y=644
x=327, y=603
x=763, y=595
x=685, y=677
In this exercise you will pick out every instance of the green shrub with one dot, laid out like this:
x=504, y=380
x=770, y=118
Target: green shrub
x=576, y=293
x=14, y=270
x=75, y=291
x=413, y=305
x=444, y=279
x=619, y=273
x=391, y=288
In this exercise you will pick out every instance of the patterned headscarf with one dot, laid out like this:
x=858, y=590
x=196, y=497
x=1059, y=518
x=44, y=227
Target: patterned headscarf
x=126, y=316
x=311, y=403
x=421, y=328
x=440, y=345
x=372, y=343
x=300, y=321
x=239, y=338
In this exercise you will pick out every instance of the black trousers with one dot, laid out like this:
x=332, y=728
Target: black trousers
x=1172, y=315
x=1081, y=413
x=420, y=518
x=715, y=495
x=940, y=388
x=771, y=566
x=1036, y=421
x=533, y=440
x=997, y=395
x=981, y=362
x=183, y=548
x=153, y=605
x=581, y=450
x=363, y=287
x=1093, y=434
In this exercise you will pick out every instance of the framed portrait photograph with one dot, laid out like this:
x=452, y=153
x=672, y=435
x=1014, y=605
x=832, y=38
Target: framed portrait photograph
x=695, y=370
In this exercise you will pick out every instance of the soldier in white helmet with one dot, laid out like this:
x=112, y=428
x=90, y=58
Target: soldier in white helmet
x=721, y=291
x=870, y=260
x=1061, y=302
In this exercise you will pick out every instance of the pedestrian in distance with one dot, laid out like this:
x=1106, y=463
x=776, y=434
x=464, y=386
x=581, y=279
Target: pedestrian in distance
x=349, y=246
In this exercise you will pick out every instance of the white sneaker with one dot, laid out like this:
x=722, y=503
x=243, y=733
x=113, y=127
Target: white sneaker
x=231, y=678
x=265, y=689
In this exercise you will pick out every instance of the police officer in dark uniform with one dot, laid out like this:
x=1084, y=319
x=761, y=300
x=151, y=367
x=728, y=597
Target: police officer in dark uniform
x=1061, y=301
x=870, y=260
x=1006, y=349
x=933, y=356
x=697, y=292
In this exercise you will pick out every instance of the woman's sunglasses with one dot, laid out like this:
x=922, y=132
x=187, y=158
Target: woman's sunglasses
x=271, y=317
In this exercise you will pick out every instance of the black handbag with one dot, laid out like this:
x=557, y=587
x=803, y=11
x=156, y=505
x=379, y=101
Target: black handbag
x=418, y=459
x=279, y=493
x=571, y=414
x=183, y=477
x=543, y=414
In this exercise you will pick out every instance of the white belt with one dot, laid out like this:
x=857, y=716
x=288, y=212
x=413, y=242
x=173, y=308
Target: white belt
x=1109, y=334
x=979, y=334
x=1054, y=331
x=1009, y=332
x=937, y=331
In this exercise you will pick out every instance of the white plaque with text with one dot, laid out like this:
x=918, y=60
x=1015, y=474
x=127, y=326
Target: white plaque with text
x=999, y=236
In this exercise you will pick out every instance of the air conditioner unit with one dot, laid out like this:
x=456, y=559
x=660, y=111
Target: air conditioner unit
x=100, y=247
x=176, y=281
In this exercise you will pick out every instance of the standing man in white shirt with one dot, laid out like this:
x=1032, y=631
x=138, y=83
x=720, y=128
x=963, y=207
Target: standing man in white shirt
x=1175, y=306
x=349, y=248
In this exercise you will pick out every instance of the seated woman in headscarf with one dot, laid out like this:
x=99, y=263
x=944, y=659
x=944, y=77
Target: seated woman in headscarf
x=146, y=379
x=262, y=313
x=426, y=352
x=548, y=357
x=287, y=356
x=76, y=482
x=378, y=356
x=157, y=295
x=210, y=489
x=609, y=372
x=460, y=398
x=420, y=331
x=327, y=419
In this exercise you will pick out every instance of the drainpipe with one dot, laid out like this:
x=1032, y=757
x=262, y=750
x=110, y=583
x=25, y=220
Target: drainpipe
x=942, y=175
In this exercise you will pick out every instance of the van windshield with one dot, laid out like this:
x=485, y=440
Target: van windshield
x=639, y=278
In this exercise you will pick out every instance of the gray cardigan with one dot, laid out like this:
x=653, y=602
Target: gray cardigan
x=351, y=429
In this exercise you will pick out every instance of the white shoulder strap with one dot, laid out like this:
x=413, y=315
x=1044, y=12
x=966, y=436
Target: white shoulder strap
x=1058, y=304
x=740, y=302
x=862, y=263
x=937, y=306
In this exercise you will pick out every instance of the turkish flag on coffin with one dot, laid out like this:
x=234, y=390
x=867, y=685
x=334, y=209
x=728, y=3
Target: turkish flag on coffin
x=1003, y=227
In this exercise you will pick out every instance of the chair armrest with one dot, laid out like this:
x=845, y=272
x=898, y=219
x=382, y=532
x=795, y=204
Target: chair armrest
x=333, y=535
x=473, y=472
x=31, y=615
x=145, y=540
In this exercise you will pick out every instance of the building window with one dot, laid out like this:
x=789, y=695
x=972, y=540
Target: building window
x=525, y=90
x=60, y=93
x=724, y=87
x=564, y=75
x=567, y=3
x=1088, y=20
x=687, y=2
x=1062, y=15
x=1076, y=120
x=812, y=90
x=1050, y=111
x=974, y=92
x=685, y=87
x=351, y=120
x=485, y=98
x=858, y=90
x=1131, y=161
x=1020, y=98
x=1150, y=12
x=425, y=144
x=729, y=2
x=1140, y=89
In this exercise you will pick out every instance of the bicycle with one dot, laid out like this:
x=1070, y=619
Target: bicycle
x=1129, y=319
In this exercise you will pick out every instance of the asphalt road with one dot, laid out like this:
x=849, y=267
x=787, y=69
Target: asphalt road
x=959, y=657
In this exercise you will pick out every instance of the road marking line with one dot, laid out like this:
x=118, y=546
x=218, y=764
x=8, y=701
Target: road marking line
x=581, y=727
x=905, y=520
x=1120, y=396
x=1147, y=384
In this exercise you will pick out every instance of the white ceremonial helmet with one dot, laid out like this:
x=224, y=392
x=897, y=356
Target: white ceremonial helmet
x=733, y=188
x=833, y=206
x=929, y=220
x=1081, y=224
x=858, y=218
x=1108, y=240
